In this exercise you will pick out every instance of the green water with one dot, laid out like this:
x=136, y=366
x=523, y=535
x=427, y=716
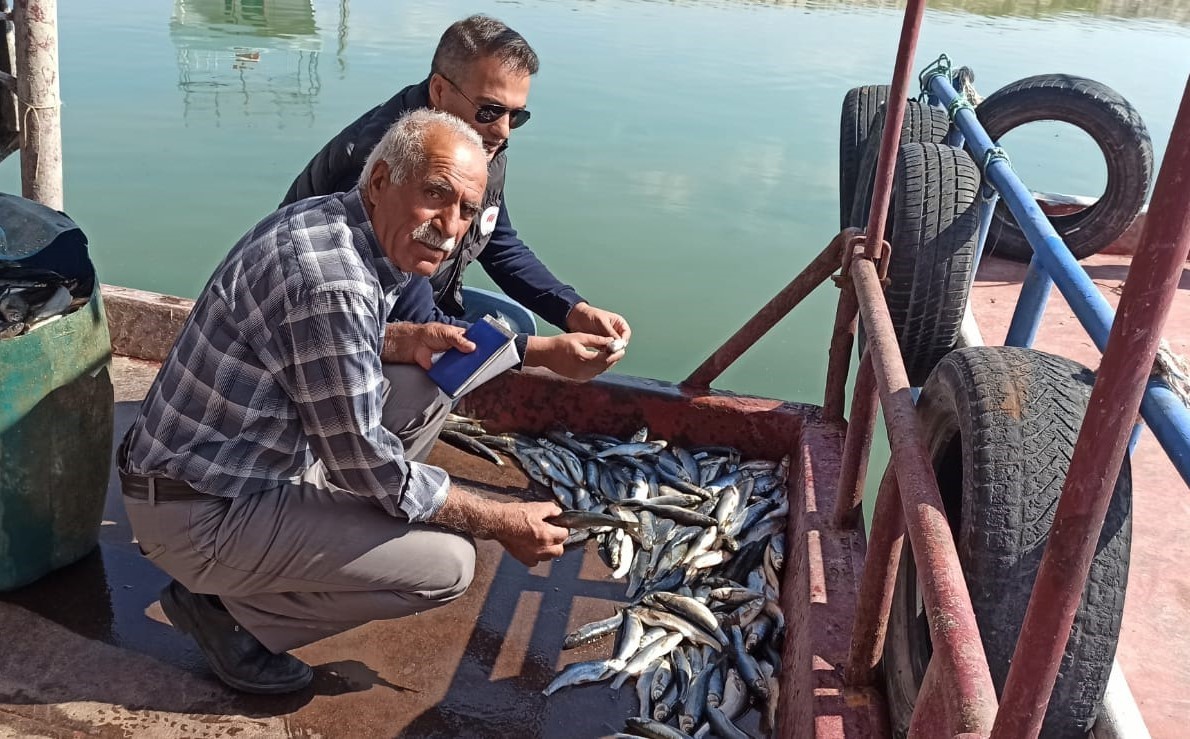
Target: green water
x=681, y=162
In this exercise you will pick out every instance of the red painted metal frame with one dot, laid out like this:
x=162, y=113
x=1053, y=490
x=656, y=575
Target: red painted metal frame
x=1102, y=441
x=838, y=362
x=891, y=138
x=795, y=292
x=857, y=448
x=876, y=586
x=970, y=695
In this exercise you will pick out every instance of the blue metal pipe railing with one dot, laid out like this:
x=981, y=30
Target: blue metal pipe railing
x=1030, y=306
x=1164, y=412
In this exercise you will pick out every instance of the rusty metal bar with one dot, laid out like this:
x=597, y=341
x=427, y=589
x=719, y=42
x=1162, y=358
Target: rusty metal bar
x=839, y=359
x=891, y=139
x=758, y=325
x=1102, y=441
x=971, y=697
x=38, y=100
x=857, y=447
x=929, y=710
x=876, y=586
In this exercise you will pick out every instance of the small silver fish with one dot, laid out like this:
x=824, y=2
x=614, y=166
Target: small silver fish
x=579, y=673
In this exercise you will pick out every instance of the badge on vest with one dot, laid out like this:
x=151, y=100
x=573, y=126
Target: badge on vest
x=487, y=221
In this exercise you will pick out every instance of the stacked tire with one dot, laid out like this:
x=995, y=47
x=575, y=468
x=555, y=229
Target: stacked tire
x=932, y=227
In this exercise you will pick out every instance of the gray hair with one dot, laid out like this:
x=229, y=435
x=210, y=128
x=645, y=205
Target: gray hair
x=403, y=146
x=477, y=37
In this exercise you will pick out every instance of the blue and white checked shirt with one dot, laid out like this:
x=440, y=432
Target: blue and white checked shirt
x=279, y=365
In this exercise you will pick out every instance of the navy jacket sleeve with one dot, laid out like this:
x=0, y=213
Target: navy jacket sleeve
x=415, y=304
x=522, y=276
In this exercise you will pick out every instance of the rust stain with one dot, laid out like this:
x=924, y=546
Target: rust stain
x=1013, y=403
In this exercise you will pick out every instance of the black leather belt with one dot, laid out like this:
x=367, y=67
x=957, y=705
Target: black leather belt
x=159, y=489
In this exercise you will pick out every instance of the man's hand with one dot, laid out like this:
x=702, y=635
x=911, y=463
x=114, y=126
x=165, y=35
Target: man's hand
x=410, y=343
x=577, y=356
x=586, y=318
x=519, y=527
x=528, y=538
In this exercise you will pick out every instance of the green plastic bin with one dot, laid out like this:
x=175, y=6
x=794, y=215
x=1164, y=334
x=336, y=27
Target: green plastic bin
x=56, y=404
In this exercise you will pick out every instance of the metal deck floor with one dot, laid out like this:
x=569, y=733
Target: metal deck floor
x=92, y=653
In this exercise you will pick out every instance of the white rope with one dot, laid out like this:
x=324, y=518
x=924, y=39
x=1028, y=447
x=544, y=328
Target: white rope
x=1174, y=370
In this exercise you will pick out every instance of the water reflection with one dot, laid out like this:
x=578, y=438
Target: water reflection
x=251, y=58
x=1177, y=11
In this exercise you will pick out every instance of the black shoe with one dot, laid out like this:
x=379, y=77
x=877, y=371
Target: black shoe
x=234, y=655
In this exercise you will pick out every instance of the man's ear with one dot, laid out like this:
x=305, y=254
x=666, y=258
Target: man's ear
x=379, y=178
x=437, y=87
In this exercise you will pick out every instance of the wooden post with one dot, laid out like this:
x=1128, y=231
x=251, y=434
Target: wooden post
x=38, y=103
x=9, y=123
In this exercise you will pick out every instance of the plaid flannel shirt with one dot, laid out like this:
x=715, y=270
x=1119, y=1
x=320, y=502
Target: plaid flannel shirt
x=279, y=365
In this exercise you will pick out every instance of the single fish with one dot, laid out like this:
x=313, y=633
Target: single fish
x=673, y=622
x=708, y=559
x=579, y=673
x=722, y=725
x=13, y=306
x=654, y=729
x=630, y=636
x=470, y=444
x=661, y=680
x=690, y=609
x=735, y=694
x=696, y=700
x=734, y=596
x=681, y=515
x=632, y=449
x=593, y=631
x=682, y=500
x=10, y=330
x=54, y=304
x=663, y=708
x=652, y=653
x=644, y=683
x=757, y=632
x=683, y=673
x=747, y=666
x=715, y=684
x=574, y=519
x=469, y=427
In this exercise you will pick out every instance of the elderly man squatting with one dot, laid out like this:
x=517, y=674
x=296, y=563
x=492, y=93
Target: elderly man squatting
x=276, y=469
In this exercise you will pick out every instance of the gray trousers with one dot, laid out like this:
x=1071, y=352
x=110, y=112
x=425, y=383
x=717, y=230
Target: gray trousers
x=308, y=560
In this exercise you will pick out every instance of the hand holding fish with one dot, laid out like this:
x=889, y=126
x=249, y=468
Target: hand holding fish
x=528, y=537
x=586, y=318
x=575, y=355
x=416, y=343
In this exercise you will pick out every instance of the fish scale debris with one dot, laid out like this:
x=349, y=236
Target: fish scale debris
x=699, y=534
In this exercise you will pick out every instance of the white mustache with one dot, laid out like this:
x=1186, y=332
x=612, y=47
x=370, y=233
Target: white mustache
x=432, y=237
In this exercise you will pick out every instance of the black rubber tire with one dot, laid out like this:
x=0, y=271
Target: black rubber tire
x=1000, y=424
x=921, y=123
x=933, y=229
x=1116, y=128
x=855, y=124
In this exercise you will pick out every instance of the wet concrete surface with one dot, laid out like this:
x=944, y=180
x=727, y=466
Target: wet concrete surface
x=91, y=653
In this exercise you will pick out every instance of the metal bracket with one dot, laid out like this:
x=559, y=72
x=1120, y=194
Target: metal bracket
x=939, y=67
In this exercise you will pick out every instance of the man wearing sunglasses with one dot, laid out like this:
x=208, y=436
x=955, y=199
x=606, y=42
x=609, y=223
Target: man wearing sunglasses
x=481, y=72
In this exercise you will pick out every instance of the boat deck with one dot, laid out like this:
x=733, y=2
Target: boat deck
x=89, y=652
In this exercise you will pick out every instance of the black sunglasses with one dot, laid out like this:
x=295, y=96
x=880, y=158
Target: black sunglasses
x=490, y=112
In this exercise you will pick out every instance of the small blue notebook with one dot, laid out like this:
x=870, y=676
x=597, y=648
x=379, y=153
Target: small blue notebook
x=458, y=373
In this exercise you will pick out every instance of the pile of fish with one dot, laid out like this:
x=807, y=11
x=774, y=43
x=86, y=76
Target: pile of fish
x=31, y=298
x=699, y=533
